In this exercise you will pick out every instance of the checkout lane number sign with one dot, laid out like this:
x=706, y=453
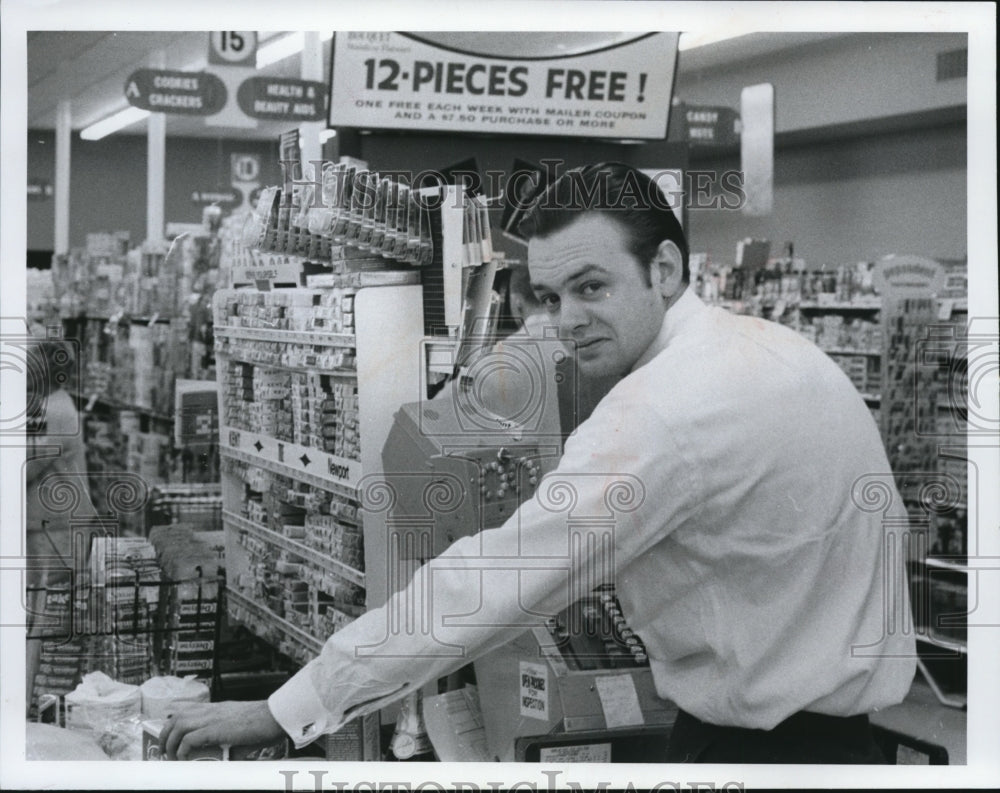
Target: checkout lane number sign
x=232, y=47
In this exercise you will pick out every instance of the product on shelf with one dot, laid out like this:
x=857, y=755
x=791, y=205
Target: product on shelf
x=190, y=612
x=137, y=340
x=262, y=392
x=125, y=590
x=197, y=504
x=306, y=552
x=908, y=392
x=61, y=655
x=324, y=297
x=380, y=218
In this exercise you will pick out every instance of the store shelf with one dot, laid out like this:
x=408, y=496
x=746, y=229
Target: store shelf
x=270, y=267
x=96, y=399
x=311, y=337
x=849, y=351
x=872, y=398
x=946, y=564
x=293, y=632
x=809, y=305
x=946, y=644
x=949, y=306
x=326, y=563
x=162, y=319
x=325, y=471
x=345, y=374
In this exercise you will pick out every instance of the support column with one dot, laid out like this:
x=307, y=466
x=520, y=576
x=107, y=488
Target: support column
x=64, y=137
x=311, y=69
x=156, y=146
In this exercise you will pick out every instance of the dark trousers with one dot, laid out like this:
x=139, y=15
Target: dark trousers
x=801, y=738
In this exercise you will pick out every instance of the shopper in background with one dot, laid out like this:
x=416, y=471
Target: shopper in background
x=55, y=476
x=731, y=450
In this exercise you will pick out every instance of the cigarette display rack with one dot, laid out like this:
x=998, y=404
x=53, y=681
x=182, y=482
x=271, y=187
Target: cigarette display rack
x=318, y=344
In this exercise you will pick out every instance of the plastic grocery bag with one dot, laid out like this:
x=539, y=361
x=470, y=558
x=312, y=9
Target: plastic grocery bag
x=108, y=711
x=160, y=693
x=100, y=701
x=48, y=742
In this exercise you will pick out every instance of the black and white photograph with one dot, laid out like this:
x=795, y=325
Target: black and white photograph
x=552, y=394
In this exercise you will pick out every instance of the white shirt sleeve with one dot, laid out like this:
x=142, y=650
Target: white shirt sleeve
x=608, y=500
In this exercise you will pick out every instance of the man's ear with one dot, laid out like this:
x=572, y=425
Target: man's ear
x=667, y=269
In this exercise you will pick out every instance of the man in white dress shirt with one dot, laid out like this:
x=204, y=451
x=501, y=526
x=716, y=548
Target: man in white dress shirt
x=761, y=583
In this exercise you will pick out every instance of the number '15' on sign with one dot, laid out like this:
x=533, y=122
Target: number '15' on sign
x=232, y=47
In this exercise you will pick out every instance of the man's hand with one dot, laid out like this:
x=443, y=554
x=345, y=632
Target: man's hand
x=213, y=724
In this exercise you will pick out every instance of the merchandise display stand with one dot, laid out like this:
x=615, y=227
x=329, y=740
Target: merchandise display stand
x=138, y=323
x=924, y=421
x=310, y=377
x=903, y=347
x=319, y=554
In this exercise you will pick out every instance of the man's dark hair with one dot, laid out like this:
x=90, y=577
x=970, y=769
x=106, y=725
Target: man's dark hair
x=618, y=191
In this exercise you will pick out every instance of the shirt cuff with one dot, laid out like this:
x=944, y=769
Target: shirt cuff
x=297, y=707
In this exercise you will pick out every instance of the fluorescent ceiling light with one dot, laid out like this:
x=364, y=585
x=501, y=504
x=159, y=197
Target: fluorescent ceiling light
x=693, y=40
x=277, y=49
x=113, y=123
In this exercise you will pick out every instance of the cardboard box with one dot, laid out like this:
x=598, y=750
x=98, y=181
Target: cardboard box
x=357, y=740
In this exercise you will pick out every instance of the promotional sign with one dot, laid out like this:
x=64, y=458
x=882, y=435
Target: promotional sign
x=169, y=91
x=905, y=276
x=534, y=691
x=282, y=99
x=612, y=85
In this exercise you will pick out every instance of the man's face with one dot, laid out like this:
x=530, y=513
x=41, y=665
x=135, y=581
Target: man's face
x=592, y=287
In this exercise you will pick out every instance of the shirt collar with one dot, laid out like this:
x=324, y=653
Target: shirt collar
x=675, y=321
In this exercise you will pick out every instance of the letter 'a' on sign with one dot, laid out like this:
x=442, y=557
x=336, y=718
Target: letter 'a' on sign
x=232, y=47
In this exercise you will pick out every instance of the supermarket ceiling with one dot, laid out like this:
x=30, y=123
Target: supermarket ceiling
x=90, y=69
